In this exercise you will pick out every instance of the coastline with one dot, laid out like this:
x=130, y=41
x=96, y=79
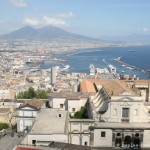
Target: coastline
x=80, y=59
x=118, y=59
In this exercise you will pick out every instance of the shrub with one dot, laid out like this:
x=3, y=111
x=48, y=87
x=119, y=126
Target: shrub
x=3, y=126
x=82, y=114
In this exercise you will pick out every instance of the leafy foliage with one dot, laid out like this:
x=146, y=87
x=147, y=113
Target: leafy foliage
x=31, y=93
x=3, y=126
x=82, y=114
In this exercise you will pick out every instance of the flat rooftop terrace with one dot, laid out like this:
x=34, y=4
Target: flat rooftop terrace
x=50, y=121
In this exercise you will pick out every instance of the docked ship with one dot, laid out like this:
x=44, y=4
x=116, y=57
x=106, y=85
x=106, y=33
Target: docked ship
x=112, y=69
x=65, y=68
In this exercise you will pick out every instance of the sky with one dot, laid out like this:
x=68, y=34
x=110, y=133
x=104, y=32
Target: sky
x=93, y=18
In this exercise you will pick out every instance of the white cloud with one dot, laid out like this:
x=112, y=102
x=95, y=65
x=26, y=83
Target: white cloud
x=145, y=30
x=19, y=3
x=67, y=15
x=30, y=21
x=45, y=20
x=54, y=21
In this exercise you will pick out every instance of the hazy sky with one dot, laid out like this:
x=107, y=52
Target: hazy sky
x=93, y=18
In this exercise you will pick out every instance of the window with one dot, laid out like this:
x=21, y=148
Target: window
x=73, y=109
x=61, y=105
x=33, y=142
x=59, y=115
x=103, y=134
x=125, y=112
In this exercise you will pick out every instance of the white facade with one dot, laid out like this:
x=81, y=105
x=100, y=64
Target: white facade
x=121, y=118
x=146, y=139
x=137, y=111
x=79, y=132
x=100, y=140
x=26, y=115
x=118, y=119
x=25, y=118
x=46, y=138
x=59, y=103
x=50, y=125
x=70, y=103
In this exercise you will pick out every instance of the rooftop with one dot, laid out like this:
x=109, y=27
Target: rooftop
x=49, y=122
x=87, y=86
x=34, y=103
x=67, y=95
x=111, y=125
x=118, y=87
x=68, y=146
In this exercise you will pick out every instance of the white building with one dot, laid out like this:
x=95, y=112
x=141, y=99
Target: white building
x=102, y=71
x=68, y=101
x=112, y=69
x=121, y=117
x=26, y=114
x=50, y=125
x=79, y=132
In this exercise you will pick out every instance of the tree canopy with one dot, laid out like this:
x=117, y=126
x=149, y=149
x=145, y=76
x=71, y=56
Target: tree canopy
x=31, y=93
x=82, y=114
x=3, y=126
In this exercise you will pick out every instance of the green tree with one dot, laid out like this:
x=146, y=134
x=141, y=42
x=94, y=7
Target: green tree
x=82, y=114
x=31, y=93
x=20, y=95
x=41, y=94
x=3, y=126
x=25, y=95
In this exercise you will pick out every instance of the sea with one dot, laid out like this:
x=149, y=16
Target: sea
x=79, y=60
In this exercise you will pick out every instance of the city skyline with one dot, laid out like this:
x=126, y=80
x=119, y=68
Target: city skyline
x=93, y=19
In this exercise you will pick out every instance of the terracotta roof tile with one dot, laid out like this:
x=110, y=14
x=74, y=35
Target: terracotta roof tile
x=87, y=87
x=118, y=87
x=34, y=102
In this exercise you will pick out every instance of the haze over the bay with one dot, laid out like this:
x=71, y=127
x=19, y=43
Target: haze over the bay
x=102, y=19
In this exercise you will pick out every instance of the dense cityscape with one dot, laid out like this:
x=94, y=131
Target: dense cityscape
x=29, y=93
x=44, y=105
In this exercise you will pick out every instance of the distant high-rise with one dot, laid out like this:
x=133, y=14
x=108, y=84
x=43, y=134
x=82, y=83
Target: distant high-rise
x=53, y=75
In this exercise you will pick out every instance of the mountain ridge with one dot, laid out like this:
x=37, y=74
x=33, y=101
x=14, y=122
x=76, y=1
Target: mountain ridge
x=44, y=33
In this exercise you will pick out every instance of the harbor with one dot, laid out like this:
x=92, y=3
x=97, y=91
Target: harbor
x=128, y=66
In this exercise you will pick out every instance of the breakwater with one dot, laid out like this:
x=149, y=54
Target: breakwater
x=131, y=67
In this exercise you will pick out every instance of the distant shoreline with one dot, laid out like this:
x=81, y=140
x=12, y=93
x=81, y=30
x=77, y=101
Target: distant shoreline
x=118, y=59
